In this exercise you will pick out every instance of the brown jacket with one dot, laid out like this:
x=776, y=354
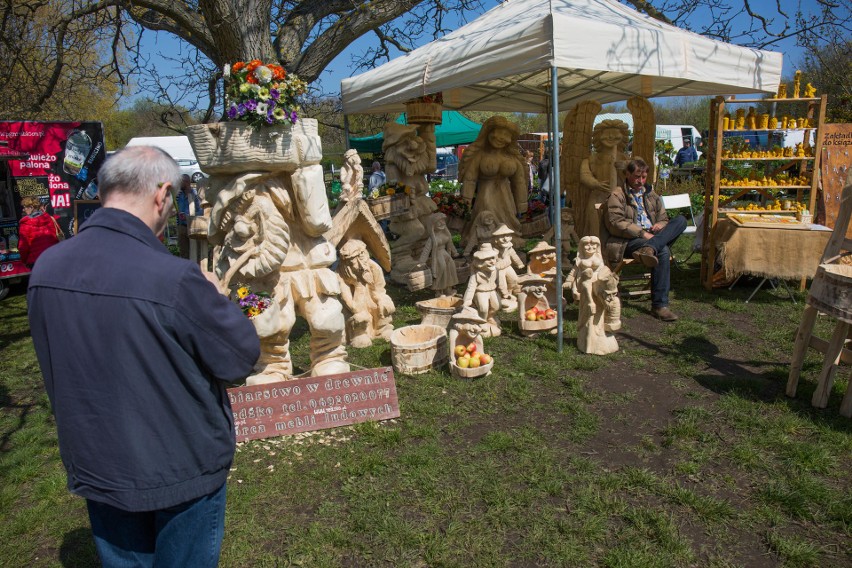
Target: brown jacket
x=620, y=221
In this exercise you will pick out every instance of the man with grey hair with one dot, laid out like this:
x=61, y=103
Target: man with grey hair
x=136, y=347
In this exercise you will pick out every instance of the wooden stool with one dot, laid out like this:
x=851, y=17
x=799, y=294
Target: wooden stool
x=831, y=294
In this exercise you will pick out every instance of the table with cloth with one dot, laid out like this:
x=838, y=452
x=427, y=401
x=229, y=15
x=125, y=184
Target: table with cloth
x=774, y=253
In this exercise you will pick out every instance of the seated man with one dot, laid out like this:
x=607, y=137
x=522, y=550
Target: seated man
x=637, y=224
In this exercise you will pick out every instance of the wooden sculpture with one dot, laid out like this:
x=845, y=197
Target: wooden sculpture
x=507, y=261
x=367, y=307
x=467, y=351
x=595, y=287
x=440, y=251
x=481, y=231
x=351, y=177
x=481, y=291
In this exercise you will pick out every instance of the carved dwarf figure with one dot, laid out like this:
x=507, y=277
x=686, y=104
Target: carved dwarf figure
x=481, y=290
x=440, y=251
x=507, y=261
x=351, y=177
x=542, y=262
x=532, y=301
x=595, y=287
x=367, y=307
x=268, y=230
x=466, y=327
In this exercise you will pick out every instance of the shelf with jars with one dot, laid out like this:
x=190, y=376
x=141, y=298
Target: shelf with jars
x=752, y=166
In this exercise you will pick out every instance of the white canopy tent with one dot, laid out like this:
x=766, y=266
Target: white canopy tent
x=603, y=51
x=540, y=55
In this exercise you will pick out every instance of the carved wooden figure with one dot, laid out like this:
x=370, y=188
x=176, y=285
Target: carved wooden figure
x=595, y=287
x=507, y=261
x=367, y=307
x=465, y=337
x=481, y=292
x=484, y=225
x=535, y=314
x=440, y=251
x=351, y=177
x=542, y=262
x=493, y=172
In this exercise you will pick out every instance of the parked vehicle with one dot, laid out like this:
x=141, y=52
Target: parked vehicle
x=448, y=165
x=179, y=148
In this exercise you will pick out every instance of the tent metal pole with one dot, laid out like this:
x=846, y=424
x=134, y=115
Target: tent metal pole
x=555, y=198
x=346, y=130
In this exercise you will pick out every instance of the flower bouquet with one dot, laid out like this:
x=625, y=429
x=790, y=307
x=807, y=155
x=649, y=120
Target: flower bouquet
x=261, y=309
x=425, y=110
x=535, y=221
x=261, y=94
x=454, y=206
x=261, y=129
x=389, y=199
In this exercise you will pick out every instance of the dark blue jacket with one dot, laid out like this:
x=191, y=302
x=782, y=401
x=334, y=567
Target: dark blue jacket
x=136, y=346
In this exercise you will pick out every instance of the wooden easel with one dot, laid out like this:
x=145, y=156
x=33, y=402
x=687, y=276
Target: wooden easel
x=832, y=296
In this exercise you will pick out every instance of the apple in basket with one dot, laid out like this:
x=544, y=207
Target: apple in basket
x=460, y=350
x=475, y=362
x=550, y=313
x=531, y=314
x=463, y=362
x=485, y=358
x=471, y=348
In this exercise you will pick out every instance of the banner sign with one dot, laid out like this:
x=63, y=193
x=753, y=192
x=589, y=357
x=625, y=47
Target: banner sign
x=313, y=403
x=834, y=164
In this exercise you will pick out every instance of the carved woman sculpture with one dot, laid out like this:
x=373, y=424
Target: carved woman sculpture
x=599, y=172
x=439, y=250
x=481, y=291
x=494, y=173
x=351, y=177
x=595, y=287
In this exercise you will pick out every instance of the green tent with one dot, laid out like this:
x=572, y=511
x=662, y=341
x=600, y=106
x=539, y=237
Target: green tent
x=454, y=129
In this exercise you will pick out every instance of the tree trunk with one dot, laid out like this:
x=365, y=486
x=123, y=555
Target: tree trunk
x=240, y=29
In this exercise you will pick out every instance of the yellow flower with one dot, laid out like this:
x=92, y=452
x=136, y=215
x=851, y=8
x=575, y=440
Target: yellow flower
x=242, y=292
x=391, y=191
x=407, y=190
x=253, y=312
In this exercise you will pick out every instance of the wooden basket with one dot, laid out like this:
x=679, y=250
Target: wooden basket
x=418, y=349
x=389, y=206
x=471, y=372
x=423, y=113
x=234, y=147
x=438, y=311
x=418, y=279
x=536, y=226
x=197, y=227
x=455, y=224
x=831, y=291
x=462, y=270
x=536, y=326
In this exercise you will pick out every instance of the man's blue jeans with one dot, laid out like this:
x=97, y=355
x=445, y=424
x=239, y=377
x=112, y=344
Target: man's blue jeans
x=661, y=243
x=188, y=535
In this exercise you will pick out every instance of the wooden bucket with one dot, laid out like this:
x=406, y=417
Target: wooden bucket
x=831, y=291
x=535, y=227
x=438, y=311
x=418, y=279
x=537, y=326
x=423, y=113
x=417, y=349
x=455, y=224
x=197, y=227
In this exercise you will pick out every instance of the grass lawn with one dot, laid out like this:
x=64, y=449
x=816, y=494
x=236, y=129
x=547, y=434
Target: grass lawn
x=679, y=450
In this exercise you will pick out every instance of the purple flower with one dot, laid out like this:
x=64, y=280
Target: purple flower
x=251, y=104
x=241, y=109
x=293, y=117
x=274, y=94
x=232, y=112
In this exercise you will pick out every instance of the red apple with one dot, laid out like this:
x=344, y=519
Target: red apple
x=460, y=350
x=485, y=358
x=471, y=348
x=475, y=362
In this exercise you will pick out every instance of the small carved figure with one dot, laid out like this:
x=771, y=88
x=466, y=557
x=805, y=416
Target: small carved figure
x=507, y=261
x=466, y=329
x=481, y=290
x=595, y=287
x=351, y=177
x=535, y=313
x=409, y=156
x=541, y=261
x=810, y=91
x=797, y=81
x=440, y=249
x=483, y=228
x=367, y=307
x=493, y=172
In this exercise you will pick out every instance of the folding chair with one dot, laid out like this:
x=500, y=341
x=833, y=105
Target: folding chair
x=681, y=201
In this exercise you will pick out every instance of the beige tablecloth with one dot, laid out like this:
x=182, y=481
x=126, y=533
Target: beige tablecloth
x=789, y=254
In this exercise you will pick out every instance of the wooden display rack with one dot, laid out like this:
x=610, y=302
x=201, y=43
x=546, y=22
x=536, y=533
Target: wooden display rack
x=717, y=198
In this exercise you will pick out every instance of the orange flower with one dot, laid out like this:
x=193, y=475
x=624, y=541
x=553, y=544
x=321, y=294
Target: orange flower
x=250, y=78
x=278, y=72
x=254, y=64
x=237, y=66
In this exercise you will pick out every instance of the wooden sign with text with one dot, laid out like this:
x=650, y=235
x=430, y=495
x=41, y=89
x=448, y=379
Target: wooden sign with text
x=313, y=403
